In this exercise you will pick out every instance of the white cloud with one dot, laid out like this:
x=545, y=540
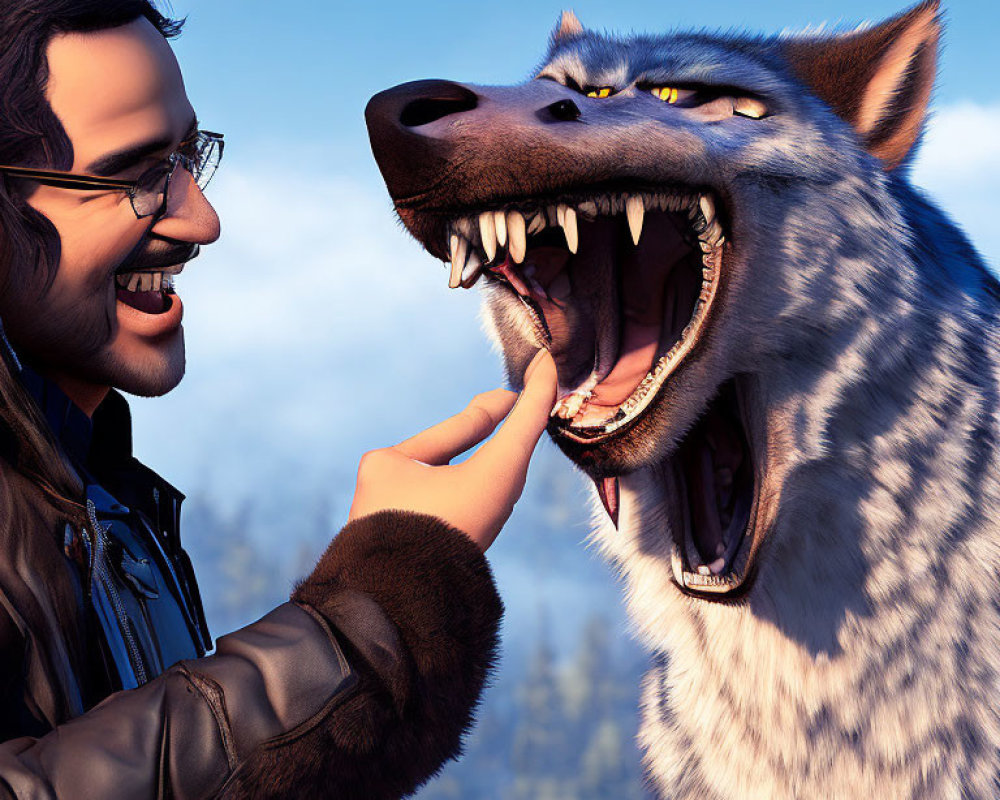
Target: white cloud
x=959, y=167
x=962, y=143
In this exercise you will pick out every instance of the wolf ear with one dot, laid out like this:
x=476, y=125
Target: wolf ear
x=568, y=27
x=879, y=79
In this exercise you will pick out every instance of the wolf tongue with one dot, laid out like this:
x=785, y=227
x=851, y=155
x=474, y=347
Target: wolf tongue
x=639, y=343
x=608, y=491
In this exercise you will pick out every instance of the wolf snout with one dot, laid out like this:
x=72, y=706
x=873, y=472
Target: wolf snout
x=416, y=128
x=400, y=127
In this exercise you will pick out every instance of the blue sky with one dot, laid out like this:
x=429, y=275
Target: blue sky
x=268, y=72
x=316, y=329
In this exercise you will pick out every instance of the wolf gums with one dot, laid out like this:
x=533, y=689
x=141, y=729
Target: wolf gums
x=778, y=364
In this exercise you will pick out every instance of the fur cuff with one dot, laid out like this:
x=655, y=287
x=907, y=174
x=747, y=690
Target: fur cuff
x=413, y=602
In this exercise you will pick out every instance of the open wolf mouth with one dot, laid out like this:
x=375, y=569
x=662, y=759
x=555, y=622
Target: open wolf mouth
x=620, y=286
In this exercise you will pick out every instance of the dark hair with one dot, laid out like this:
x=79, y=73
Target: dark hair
x=31, y=135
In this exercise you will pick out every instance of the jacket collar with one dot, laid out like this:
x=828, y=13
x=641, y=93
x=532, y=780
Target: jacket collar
x=101, y=448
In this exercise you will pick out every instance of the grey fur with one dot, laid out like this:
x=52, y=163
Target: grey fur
x=863, y=662
x=860, y=327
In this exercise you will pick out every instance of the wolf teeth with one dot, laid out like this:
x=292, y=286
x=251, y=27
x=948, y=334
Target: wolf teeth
x=570, y=229
x=472, y=271
x=517, y=239
x=500, y=223
x=712, y=234
x=536, y=223
x=482, y=236
x=459, y=253
x=571, y=405
x=488, y=234
x=635, y=208
x=707, y=209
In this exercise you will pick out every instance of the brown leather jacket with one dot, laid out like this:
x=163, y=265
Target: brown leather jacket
x=360, y=687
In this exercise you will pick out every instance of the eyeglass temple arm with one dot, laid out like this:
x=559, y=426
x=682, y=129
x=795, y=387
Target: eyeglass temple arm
x=66, y=178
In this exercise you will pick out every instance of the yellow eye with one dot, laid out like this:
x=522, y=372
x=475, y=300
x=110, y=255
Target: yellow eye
x=749, y=107
x=604, y=91
x=668, y=94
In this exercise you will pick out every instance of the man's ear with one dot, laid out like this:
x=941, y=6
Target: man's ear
x=878, y=79
x=568, y=27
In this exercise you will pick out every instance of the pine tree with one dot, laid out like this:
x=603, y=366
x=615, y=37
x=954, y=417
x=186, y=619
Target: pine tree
x=540, y=749
x=590, y=686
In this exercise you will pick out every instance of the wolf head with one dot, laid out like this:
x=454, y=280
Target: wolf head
x=681, y=220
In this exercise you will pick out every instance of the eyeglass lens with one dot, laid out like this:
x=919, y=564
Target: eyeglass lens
x=203, y=163
x=201, y=158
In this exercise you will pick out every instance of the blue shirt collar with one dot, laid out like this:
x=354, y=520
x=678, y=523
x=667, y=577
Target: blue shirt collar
x=71, y=426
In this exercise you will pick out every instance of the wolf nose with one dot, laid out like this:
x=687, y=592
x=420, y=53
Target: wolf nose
x=409, y=155
x=442, y=100
x=418, y=103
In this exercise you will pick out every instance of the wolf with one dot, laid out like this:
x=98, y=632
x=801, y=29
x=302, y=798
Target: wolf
x=778, y=364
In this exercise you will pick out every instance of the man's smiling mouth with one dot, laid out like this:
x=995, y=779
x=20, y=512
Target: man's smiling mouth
x=148, y=291
x=149, y=287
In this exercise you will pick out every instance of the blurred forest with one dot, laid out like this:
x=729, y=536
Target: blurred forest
x=559, y=720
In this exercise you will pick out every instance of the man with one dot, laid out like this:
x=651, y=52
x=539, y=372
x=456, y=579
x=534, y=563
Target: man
x=363, y=684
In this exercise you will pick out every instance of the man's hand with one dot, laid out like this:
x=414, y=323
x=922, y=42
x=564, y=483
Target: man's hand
x=478, y=495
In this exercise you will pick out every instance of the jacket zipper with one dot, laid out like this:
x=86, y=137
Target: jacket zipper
x=101, y=569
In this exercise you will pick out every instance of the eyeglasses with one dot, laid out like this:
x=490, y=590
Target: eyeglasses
x=200, y=155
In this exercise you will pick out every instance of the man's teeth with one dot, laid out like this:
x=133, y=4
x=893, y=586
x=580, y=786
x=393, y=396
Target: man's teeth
x=475, y=242
x=145, y=281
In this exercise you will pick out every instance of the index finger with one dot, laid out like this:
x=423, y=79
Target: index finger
x=510, y=449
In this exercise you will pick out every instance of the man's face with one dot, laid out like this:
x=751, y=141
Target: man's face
x=121, y=99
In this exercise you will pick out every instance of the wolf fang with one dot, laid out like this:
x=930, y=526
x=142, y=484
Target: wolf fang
x=857, y=329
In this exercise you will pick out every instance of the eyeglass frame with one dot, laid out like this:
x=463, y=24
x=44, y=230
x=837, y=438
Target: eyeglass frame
x=70, y=180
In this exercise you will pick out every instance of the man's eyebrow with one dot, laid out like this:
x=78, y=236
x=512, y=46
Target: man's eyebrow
x=114, y=163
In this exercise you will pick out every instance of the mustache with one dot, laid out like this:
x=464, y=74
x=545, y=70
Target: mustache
x=152, y=258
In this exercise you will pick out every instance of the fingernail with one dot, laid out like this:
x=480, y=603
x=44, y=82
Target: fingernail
x=534, y=364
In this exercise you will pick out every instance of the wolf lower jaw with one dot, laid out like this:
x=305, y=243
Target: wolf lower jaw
x=852, y=669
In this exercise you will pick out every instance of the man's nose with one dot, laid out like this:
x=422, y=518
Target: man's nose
x=189, y=216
